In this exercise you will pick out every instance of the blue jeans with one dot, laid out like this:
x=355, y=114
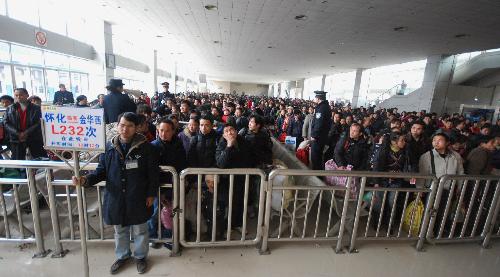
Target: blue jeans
x=122, y=241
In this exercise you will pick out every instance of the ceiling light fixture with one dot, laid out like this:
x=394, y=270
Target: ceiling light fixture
x=462, y=36
x=211, y=7
x=401, y=28
x=301, y=17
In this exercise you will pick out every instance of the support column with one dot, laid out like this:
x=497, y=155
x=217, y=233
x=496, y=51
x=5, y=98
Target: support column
x=108, y=49
x=323, y=82
x=155, y=70
x=357, y=85
x=98, y=72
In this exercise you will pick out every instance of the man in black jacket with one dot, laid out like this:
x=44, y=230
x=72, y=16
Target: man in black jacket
x=418, y=143
x=166, y=94
x=63, y=97
x=130, y=168
x=320, y=128
x=259, y=141
x=116, y=103
x=352, y=149
x=22, y=122
x=233, y=152
x=172, y=153
x=202, y=146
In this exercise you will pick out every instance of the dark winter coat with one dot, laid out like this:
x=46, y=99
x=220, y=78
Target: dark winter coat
x=63, y=97
x=171, y=153
x=351, y=152
x=261, y=146
x=116, y=103
x=127, y=189
x=12, y=123
x=202, y=150
x=417, y=149
x=237, y=156
x=322, y=121
x=295, y=128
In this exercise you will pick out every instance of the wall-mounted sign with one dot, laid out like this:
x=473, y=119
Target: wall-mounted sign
x=41, y=38
x=110, y=61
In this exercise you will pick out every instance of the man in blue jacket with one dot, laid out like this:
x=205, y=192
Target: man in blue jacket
x=130, y=168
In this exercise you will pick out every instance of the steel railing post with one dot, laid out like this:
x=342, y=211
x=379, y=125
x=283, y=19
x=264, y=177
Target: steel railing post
x=41, y=252
x=54, y=216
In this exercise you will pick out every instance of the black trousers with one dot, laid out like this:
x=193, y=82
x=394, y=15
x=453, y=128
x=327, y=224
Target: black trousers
x=317, y=147
x=19, y=150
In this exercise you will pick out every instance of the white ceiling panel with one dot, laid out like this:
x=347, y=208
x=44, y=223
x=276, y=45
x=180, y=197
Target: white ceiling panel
x=360, y=32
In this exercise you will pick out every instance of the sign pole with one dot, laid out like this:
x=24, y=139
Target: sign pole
x=83, y=227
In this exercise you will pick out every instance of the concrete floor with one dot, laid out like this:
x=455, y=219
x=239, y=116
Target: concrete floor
x=299, y=259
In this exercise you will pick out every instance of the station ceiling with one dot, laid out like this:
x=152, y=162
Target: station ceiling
x=265, y=41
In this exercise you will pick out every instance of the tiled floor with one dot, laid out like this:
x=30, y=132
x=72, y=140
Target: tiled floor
x=303, y=259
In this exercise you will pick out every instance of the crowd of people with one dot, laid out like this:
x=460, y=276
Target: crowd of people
x=205, y=130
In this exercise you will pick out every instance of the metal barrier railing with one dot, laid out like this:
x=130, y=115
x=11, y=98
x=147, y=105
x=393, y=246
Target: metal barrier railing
x=348, y=209
x=303, y=198
x=457, y=209
x=15, y=199
x=226, y=193
x=400, y=211
x=466, y=209
x=92, y=235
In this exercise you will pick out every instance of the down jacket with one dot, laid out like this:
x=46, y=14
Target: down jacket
x=127, y=189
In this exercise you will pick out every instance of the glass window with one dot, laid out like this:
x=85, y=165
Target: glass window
x=25, y=11
x=75, y=83
x=52, y=83
x=56, y=60
x=64, y=79
x=37, y=82
x=3, y=8
x=26, y=55
x=84, y=85
x=22, y=77
x=4, y=52
x=6, y=85
x=340, y=86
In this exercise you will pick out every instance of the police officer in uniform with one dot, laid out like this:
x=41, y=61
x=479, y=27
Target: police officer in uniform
x=319, y=130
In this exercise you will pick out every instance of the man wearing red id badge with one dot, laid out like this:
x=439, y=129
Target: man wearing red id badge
x=130, y=168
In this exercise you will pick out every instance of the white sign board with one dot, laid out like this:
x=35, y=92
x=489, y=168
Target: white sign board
x=290, y=142
x=71, y=128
